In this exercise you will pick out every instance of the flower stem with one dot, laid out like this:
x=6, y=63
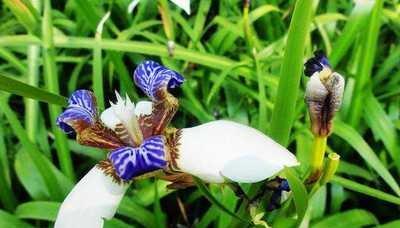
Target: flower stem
x=317, y=159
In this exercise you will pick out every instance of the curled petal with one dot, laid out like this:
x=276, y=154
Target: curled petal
x=316, y=64
x=154, y=79
x=223, y=150
x=94, y=198
x=324, y=99
x=80, y=113
x=130, y=162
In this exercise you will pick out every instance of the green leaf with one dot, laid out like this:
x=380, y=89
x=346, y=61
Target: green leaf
x=284, y=108
x=203, y=188
x=364, y=189
x=38, y=159
x=382, y=127
x=19, y=88
x=363, y=74
x=300, y=194
x=350, y=218
x=40, y=210
x=351, y=136
x=136, y=212
x=11, y=221
x=392, y=224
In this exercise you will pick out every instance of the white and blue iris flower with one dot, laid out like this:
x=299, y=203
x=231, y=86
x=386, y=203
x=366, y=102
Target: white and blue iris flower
x=141, y=144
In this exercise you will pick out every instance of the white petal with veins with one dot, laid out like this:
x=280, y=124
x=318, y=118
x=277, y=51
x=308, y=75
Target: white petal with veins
x=94, y=198
x=221, y=150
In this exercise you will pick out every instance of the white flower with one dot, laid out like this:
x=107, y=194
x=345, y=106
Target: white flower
x=183, y=4
x=96, y=196
x=222, y=151
x=124, y=112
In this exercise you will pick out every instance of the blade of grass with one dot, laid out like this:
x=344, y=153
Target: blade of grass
x=382, y=127
x=203, y=188
x=356, y=21
x=300, y=195
x=98, y=65
x=363, y=75
x=350, y=218
x=38, y=210
x=51, y=80
x=19, y=88
x=284, y=108
x=25, y=14
x=351, y=136
x=19, y=131
x=136, y=212
x=11, y=221
x=7, y=196
x=31, y=105
x=364, y=189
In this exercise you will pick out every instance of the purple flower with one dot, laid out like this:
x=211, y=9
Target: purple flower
x=154, y=79
x=80, y=113
x=130, y=162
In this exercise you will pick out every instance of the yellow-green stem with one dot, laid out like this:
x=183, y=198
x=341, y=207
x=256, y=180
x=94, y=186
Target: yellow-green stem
x=332, y=165
x=317, y=157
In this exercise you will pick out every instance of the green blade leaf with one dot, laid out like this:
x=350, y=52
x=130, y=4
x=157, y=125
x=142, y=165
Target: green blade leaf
x=364, y=189
x=351, y=136
x=40, y=210
x=203, y=188
x=11, y=221
x=350, y=218
x=284, y=108
x=300, y=194
x=22, y=89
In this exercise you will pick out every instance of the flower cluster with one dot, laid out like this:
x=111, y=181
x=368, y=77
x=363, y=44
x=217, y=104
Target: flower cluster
x=133, y=134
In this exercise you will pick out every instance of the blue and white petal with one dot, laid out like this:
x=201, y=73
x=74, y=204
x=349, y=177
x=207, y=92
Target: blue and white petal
x=221, y=150
x=151, y=77
x=130, y=162
x=80, y=113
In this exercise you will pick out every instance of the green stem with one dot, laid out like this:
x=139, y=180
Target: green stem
x=51, y=79
x=318, y=152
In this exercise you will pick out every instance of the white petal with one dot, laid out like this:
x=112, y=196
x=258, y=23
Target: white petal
x=213, y=150
x=183, y=4
x=143, y=108
x=252, y=169
x=94, y=198
x=315, y=90
x=109, y=118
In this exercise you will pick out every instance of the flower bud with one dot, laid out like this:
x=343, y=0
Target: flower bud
x=324, y=92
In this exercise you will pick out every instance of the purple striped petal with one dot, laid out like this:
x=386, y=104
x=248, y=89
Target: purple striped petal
x=151, y=77
x=80, y=113
x=130, y=162
x=316, y=63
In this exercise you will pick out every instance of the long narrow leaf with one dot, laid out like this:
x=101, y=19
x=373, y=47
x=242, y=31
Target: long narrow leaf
x=19, y=88
x=352, y=137
x=284, y=109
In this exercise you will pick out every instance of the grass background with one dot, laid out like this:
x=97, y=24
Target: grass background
x=240, y=64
